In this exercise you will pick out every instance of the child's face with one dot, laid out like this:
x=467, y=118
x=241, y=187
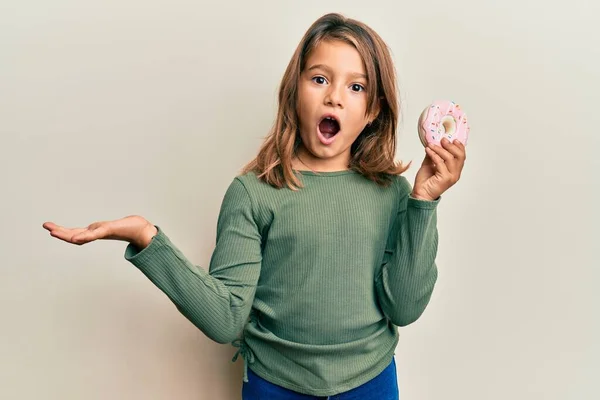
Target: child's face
x=333, y=83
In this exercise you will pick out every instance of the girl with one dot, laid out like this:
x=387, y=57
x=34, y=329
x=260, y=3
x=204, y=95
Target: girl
x=323, y=248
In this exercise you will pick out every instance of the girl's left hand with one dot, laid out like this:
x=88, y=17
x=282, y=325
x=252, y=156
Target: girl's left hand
x=440, y=170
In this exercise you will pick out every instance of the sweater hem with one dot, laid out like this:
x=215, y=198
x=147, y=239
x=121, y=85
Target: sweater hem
x=326, y=392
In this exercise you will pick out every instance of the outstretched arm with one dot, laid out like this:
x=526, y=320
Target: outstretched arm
x=218, y=302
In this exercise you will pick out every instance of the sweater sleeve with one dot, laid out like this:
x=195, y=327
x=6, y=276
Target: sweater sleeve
x=408, y=273
x=218, y=302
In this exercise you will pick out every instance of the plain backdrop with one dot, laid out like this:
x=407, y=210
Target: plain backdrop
x=113, y=108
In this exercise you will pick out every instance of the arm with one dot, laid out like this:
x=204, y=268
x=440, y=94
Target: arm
x=218, y=302
x=407, y=277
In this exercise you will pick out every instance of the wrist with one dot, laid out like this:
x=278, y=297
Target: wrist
x=417, y=196
x=145, y=236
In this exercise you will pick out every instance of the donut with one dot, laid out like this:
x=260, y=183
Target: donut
x=443, y=119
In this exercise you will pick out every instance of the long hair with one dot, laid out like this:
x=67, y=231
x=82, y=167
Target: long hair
x=373, y=151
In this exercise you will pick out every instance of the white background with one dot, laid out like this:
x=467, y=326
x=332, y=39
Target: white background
x=112, y=108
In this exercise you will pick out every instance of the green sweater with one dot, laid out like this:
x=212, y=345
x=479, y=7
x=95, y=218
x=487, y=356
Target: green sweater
x=310, y=285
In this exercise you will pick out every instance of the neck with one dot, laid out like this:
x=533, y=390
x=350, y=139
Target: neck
x=306, y=161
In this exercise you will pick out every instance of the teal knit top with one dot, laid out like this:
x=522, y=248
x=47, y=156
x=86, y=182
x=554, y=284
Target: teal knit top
x=311, y=285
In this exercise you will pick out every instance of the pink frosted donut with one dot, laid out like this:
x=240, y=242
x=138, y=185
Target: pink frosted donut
x=443, y=119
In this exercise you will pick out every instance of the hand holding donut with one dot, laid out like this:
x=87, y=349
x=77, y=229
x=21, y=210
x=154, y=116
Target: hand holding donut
x=440, y=169
x=442, y=123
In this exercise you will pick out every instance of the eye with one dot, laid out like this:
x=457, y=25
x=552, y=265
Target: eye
x=319, y=80
x=357, y=87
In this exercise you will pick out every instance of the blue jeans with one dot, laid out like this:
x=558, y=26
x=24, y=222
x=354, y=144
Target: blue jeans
x=383, y=387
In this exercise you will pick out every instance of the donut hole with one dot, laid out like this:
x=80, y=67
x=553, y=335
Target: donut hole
x=449, y=124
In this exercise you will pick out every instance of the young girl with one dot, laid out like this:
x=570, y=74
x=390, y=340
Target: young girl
x=323, y=249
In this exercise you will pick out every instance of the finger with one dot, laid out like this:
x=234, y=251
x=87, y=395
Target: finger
x=462, y=147
x=90, y=235
x=439, y=162
x=453, y=148
x=52, y=227
x=460, y=158
x=49, y=226
x=443, y=153
x=61, y=232
x=82, y=238
x=66, y=234
x=456, y=164
x=460, y=144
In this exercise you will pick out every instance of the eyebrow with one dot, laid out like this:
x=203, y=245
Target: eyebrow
x=327, y=69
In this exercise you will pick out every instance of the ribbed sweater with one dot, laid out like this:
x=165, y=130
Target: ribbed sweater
x=311, y=285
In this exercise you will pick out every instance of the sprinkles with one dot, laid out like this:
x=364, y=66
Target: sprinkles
x=447, y=121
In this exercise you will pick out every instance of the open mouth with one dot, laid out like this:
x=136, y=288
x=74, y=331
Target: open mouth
x=329, y=127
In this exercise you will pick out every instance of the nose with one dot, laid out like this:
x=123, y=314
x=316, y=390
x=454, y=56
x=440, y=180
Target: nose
x=333, y=97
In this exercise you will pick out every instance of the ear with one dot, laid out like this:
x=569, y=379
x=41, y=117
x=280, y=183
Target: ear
x=376, y=110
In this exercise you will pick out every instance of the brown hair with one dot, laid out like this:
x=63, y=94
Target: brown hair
x=373, y=151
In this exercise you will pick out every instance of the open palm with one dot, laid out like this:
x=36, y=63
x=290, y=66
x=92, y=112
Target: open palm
x=126, y=229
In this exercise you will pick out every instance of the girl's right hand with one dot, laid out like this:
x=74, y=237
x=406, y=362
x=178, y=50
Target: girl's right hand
x=133, y=229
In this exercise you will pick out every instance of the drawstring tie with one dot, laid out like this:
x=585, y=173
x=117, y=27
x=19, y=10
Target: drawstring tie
x=246, y=354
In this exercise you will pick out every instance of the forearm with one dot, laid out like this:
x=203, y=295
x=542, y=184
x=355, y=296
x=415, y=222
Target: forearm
x=216, y=309
x=407, y=277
